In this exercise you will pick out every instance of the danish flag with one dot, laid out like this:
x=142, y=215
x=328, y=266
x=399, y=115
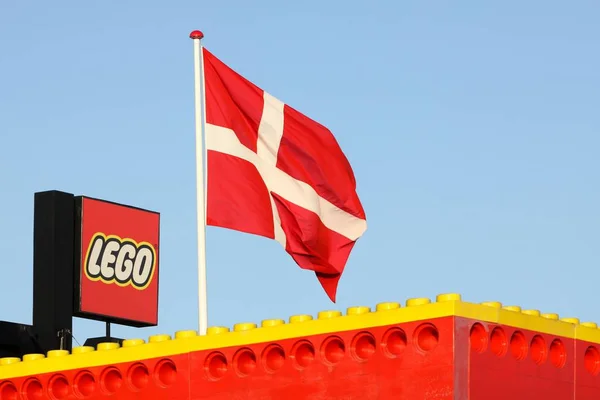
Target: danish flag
x=274, y=172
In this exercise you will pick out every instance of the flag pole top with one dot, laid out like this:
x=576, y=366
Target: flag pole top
x=196, y=35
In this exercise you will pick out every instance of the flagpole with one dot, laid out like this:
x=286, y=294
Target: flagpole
x=199, y=106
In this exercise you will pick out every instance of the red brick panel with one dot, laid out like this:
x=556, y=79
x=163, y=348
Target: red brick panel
x=509, y=363
x=155, y=379
x=587, y=369
x=407, y=361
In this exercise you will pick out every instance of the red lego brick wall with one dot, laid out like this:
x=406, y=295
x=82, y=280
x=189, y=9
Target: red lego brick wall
x=155, y=379
x=409, y=361
x=510, y=363
x=587, y=371
x=413, y=360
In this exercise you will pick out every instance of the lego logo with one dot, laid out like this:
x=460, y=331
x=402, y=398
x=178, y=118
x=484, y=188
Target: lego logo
x=122, y=261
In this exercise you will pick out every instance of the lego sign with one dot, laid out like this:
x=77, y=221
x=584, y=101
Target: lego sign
x=117, y=273
x=123, y=261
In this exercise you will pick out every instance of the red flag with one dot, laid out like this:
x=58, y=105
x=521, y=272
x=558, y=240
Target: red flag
x=276, y=173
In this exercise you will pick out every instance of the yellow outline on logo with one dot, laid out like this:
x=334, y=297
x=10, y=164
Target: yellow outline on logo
x=113, y=280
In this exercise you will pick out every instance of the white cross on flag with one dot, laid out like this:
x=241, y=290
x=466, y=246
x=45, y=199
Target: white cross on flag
x=274, y=172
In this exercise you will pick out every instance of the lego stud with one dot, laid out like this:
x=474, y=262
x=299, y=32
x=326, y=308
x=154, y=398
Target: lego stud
x=591, y=360
x=478, y=338
x=138, y=376
x=32, y=357
x=185, y=334
x=512, y=308
x=244, y=362
x=537, y=349
x=303, y=354
x=551, y=316
x=273, y=358
x=569, y=320
x=426, y=337
x=165, y=373
x=244, y=326
x=8, y=391
x=105, y=346
x=417, y=302
x=394, y=342
x=558, y=354
x=358, y=310
x=333, y=350
x=132, y=342
x=217, y=330
x=494, y=304
x=448, y=297
x=84, y=384
x=159, y=338
x=32, y=389
x=58, y=387
x=111, y=380
x=216, y=365
x=592, y=325
x=518, y=345
x=498, y=342
x=294, y=319
x=9, y=360
x=329, y=314
x=58, y=353
x=535, y=313
x=267, y=323
x=387, y=306
x=82, y=349
x=362, y=346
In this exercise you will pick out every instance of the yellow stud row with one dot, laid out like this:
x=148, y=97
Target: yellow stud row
x=359, y=317
x=240, y=327
x=538, y=313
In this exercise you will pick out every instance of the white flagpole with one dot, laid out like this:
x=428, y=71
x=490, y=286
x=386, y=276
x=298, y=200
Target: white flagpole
x=200, y=189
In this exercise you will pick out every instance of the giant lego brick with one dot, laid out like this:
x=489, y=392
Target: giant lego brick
x=442, y=349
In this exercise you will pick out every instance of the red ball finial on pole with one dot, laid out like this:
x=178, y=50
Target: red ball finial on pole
x=196, y=35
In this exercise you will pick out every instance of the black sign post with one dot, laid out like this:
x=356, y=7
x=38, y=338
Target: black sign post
x=53, y=263
x=53, y=234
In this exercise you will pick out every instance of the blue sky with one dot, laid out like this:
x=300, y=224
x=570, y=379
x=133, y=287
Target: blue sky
x=473, y=130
